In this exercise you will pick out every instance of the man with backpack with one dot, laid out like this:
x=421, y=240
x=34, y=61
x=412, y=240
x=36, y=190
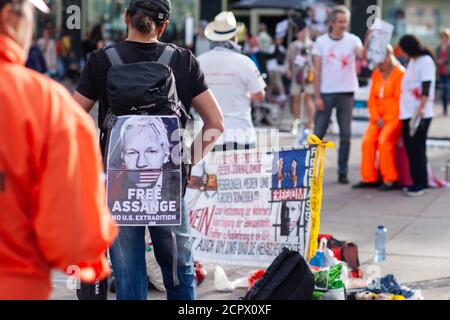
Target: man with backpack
x=119, y=93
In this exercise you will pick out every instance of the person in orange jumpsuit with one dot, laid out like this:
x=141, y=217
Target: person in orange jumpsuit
x=52, y=195
x=385, y=128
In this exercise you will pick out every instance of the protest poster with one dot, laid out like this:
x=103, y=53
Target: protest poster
x=245, y=206
x=379, y=38
x=144, y=171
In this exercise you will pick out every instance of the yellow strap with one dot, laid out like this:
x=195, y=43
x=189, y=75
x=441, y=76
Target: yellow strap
x=316, y=191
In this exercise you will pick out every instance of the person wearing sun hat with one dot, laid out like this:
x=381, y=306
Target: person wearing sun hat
x=235, y=82
x=51, y=187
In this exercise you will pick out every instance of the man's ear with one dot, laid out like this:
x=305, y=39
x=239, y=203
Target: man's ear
x=126, y=17
x=162, y=29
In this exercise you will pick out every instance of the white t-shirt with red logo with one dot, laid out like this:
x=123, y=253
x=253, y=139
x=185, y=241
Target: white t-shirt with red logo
x=233, y=78
x=338, y=59
x=419, y=70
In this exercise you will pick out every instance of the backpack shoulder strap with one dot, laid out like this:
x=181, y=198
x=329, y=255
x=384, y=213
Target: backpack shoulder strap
x=113, y=55
x=166, y=56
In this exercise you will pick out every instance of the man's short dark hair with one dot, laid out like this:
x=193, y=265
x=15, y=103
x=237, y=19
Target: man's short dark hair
x=141, y=21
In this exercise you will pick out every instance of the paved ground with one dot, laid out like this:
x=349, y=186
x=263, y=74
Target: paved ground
x=418, y=250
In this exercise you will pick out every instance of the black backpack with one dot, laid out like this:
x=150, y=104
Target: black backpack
x=287, y=278
x=142, y=88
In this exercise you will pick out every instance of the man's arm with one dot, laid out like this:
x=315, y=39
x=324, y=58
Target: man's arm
x=317, y=79
x=361, y=49
x=258, y=96
x=207, y=107
x=374, y=115
x=84, y=102
x=86, y=93
x=255, y=83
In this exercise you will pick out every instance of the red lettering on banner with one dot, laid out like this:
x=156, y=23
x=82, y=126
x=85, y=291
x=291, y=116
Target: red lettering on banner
x=200, y=219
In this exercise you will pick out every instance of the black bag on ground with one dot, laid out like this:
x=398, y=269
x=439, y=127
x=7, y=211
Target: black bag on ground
x=287, y=278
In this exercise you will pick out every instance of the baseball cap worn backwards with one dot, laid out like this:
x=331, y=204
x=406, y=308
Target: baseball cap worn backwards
x=161, y=13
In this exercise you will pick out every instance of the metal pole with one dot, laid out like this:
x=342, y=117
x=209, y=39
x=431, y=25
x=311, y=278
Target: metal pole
x=59, y=18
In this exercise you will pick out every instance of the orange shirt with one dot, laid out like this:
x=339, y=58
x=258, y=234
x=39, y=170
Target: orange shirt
x=384, y=99
x=53, y=212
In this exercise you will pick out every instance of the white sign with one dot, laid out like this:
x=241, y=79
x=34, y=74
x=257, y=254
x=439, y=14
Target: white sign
x=379, y=39
x=245, y=206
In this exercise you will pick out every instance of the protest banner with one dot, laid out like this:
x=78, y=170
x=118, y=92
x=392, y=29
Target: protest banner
x=144, y=172
x=245, y=206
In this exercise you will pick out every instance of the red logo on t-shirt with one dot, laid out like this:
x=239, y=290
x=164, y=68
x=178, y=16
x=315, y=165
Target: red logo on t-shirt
x=416, y=93
x=345, y=61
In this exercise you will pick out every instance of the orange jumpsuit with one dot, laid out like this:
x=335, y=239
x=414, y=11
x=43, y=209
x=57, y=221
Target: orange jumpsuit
x=384, y=103
x=53, y=211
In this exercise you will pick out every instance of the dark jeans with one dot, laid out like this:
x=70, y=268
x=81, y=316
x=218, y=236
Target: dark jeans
x=445, y=89
x=416, y=148
x=173, y=251
x=343, y=102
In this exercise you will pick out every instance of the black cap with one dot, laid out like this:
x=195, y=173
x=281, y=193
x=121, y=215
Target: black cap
x=163, y=8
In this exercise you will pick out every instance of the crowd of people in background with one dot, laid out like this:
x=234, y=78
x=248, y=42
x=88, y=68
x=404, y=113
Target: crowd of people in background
x=316, y=68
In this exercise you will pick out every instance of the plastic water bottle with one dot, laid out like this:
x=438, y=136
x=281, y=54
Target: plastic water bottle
x=380, y=244
x=302, y=136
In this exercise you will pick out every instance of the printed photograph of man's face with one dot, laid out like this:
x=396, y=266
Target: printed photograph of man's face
x=142, y=143
x=289, y=218
x=141, y=148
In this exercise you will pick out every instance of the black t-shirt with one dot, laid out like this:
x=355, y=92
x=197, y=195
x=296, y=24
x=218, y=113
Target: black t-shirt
x=189, y=78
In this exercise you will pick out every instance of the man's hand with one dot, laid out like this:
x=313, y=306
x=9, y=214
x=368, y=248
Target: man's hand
x=288, y=74
x=318, y=101
x=423, y=103
x=422, y=110
x=380, y=123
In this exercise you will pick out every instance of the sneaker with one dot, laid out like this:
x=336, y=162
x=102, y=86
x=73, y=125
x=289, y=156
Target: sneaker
x=343, y=179
x=366, y=185
x=388, y=186
x=295, y=126
x=415, y=191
